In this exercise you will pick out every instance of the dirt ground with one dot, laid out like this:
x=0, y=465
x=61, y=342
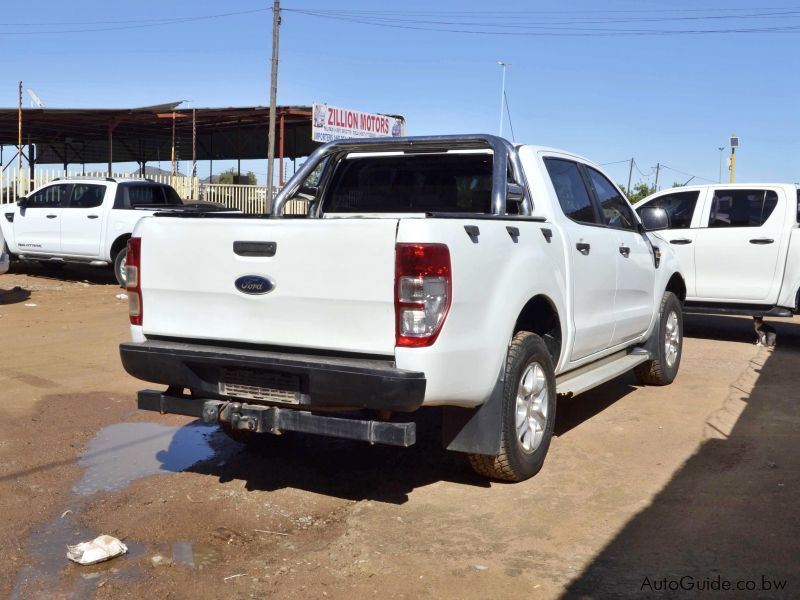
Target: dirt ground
x=695, y=484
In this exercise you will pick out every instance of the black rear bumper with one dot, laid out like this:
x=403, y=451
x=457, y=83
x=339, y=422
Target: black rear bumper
x=274, y=420
x=325, y=381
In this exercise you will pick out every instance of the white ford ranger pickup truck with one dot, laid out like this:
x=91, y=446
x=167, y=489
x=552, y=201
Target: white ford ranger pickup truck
x=738, y=245
x=85, y=220
x=449, y=271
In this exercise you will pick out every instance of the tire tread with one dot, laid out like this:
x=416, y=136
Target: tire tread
x=499, y=467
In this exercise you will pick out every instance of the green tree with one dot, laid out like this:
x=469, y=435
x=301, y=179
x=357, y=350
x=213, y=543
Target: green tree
x=229, y=177
x=638, y=192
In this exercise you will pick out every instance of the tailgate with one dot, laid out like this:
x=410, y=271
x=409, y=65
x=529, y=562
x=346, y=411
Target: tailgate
x=333, y=282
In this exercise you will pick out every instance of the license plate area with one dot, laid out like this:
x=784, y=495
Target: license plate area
x=264, y=386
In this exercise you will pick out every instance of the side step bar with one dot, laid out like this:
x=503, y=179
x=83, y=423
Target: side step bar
x=274, y=420
x=585, y=378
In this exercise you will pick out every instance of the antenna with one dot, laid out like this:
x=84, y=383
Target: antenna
x=34, y=98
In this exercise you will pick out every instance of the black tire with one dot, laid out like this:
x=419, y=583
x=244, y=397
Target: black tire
x=119, y=268
x=664, y=366
x=515, y=462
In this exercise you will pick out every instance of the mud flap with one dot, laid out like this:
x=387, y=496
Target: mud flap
x=475, y=430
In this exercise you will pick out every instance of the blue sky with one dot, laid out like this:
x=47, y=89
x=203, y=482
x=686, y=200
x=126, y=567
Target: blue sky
x=667, y=99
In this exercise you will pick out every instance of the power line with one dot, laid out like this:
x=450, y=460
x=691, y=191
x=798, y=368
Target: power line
x=122, y=25
x=456, y=24
x=549, y=30
x=663, y=166
x=508, y=111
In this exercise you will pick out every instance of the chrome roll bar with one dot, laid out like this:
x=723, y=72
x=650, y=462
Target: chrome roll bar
x=505, y=160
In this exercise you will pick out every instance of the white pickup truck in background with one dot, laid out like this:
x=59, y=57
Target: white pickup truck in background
x=738, y=245
x=85, y=220
x=5, y=259
x=449, y=271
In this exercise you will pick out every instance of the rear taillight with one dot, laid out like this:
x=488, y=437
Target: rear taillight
x=423, y=292
x=133, y=272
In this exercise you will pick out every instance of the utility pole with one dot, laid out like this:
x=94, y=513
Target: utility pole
x=19, y=143
x=273, y=94
x=193, y=180
x=172, y=159
x=630, y=175
x=720, y=148
x=658, y=168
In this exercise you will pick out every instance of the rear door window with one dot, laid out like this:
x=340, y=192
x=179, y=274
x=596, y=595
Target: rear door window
x=741, y=208
x=571, y=190
x=86, y=195
x=679, y=206
x=142, y=195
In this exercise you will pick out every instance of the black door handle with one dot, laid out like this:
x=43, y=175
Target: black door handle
x=625, y=251
x=51, y=216
x=761, y=241
x=91, y=216
x=680, y=241
x=583, y=248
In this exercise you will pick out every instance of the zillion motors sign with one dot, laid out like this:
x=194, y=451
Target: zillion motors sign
x=334, y=123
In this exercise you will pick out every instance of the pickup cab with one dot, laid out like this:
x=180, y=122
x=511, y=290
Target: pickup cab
x=738, y=245
x=455, y=272
x=84, y=220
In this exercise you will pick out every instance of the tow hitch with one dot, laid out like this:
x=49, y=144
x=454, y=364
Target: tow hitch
x=275, y=420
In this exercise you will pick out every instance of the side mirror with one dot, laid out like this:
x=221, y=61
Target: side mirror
x=22, y=201
x=654, y=218
x=307, y=192
x=515, y=193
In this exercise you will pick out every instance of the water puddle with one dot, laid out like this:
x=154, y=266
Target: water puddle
x=124, y=452
x=116, y=456
x=47, y=572
x=195, y=556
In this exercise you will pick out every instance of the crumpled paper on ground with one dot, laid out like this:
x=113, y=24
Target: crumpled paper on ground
x=103, y=547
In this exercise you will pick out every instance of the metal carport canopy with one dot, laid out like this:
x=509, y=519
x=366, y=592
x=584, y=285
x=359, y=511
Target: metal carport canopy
x=105, y=135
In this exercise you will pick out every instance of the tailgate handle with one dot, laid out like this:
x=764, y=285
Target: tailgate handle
x=255, y=248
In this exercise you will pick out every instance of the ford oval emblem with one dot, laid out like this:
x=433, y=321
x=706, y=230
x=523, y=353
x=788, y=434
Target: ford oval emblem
x=254, y=285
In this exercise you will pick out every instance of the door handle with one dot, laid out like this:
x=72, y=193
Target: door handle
x=680, y=241
x=91, y=216
x=625, y=251
x=761, y=241
x=51, y=216
x=583, y=248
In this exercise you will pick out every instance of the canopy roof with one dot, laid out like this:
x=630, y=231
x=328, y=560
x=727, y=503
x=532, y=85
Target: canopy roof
x=85, y=135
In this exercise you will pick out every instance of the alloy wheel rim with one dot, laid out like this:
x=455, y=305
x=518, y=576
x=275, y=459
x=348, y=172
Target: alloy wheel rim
x=672, y=338
x=531, y=407
x=123, y=270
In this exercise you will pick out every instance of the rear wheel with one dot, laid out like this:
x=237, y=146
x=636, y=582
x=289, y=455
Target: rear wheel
x=663, y=368
x=529, y=412
x=120, y=267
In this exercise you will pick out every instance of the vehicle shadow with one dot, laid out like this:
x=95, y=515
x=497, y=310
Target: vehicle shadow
x=357, y=471
x=72, y=272
x=14, y=295
x=572, y=412
x=730, y=512
x=739, y=329
x=345, y=469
